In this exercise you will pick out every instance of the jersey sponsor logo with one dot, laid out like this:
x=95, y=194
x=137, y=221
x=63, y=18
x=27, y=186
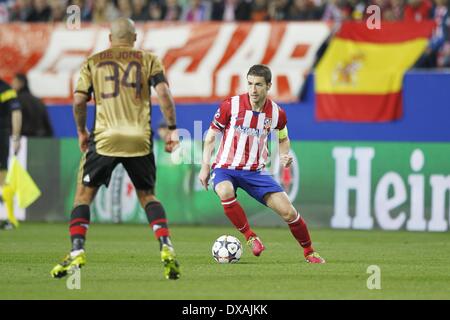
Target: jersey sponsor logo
x=249, y=131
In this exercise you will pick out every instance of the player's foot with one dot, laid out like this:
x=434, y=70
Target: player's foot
x=70, y=262
x=314, y=258
x=6, y=225
x=256, y=245
x=171, y=266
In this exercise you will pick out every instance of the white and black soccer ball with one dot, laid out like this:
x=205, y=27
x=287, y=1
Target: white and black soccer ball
x=227, y=249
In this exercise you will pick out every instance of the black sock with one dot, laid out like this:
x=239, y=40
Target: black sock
x=156, y=217
x=79, y=223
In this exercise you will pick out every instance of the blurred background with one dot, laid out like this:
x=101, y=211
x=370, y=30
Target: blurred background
x=366, y=93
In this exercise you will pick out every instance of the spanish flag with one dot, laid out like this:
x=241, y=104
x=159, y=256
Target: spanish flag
x=18, y=183
x=359, y=78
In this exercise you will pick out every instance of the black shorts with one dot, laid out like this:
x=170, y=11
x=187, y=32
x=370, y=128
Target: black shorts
x=96, y=170
x=4, y=150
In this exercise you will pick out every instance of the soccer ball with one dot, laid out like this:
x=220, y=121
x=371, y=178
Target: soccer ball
x=227, y=249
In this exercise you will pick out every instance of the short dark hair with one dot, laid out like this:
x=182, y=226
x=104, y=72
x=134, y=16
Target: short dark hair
x=261, y=70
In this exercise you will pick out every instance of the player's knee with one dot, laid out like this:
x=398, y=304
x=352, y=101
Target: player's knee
x=225, y=191
x=289, y=215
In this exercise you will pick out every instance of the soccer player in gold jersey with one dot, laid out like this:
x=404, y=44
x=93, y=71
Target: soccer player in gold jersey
x=120, y=79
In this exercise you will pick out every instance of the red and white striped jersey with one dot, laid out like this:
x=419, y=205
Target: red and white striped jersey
x=245, y=132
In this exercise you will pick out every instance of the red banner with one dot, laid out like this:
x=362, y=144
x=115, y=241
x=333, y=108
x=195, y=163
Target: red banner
x=204, y=61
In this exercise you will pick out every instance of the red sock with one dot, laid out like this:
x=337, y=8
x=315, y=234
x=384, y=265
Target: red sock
x=236, y=214
x=300, y=231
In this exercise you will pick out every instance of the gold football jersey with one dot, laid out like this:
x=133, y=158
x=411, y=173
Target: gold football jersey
x=120, y=79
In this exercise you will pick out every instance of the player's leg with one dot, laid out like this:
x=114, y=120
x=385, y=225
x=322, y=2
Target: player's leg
x=6, y=192
x=79, y=223
x=156, y=216
x=280, y=203
x=80, y=216
x=223, y=180
x=4, y=152
x=5, y=195
x=142, y=172
x=94, y=171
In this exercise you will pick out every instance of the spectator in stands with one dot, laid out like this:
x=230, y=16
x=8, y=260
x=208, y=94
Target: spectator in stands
x=172, y=10
x=395, y=11
x=4, y=11
x=35, y=120
x=231, y=10
x=85, y=9
x=355, y=10
x=303, y=10
x=21, y=10
x=140, y=11
x=278, y=9
x=104, y=11
x=197, y=10
x=58, y=10
x=440, y=14
x=444, y=58
x=41, y=11
x=260, y=11
x=333, y=11
x=155, y=11
x=125, y=9
x=384, y=6
x=417, y=10
x=436, y=46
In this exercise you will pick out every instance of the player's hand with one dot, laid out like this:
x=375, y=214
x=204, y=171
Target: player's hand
x=83, y=138
x=16, y=145
x=286, y=160
x=204, y=176
x=172, y=141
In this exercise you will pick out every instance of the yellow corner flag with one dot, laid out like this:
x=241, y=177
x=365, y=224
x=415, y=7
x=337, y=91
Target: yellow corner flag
x=19, y=182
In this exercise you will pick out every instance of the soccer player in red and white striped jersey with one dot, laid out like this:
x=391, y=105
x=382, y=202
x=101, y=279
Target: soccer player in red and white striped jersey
x=245, y=122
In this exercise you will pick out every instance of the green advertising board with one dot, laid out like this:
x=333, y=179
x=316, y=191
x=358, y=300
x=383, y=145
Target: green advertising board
x=349, y=185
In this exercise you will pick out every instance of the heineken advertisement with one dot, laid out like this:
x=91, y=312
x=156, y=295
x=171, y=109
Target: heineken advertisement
x=348, y=185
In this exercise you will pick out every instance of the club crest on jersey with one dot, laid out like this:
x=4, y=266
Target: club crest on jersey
x=267, y=123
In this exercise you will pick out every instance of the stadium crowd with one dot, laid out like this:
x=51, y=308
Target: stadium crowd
x=336, y=11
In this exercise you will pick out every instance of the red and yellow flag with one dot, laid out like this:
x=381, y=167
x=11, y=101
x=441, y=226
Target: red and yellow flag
x=360, y=76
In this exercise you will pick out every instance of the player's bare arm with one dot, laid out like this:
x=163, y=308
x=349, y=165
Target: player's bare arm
x=16, y=128
x=208, y=149
x=168, y=109
x=80, y=115
x=284, y=147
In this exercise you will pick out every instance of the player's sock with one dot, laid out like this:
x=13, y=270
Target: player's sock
x=236, y=214
x=156, y=217
x=300, y=231
x=79, y=223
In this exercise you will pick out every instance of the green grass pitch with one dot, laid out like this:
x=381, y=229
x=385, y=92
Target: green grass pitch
x=123, y=263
